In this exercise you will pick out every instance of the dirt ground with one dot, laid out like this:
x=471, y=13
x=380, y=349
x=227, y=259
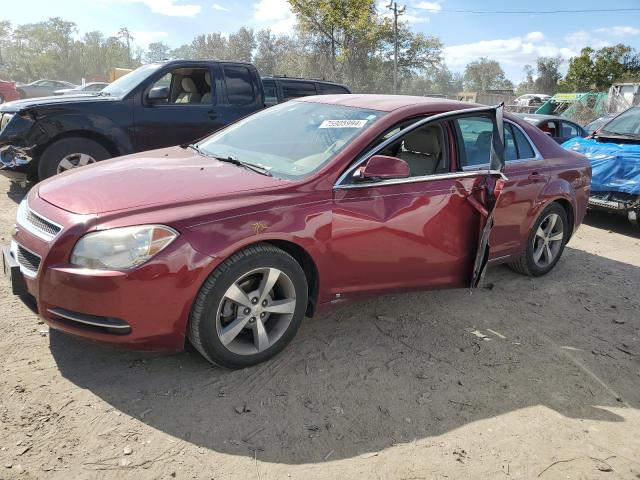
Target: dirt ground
x=524, y=379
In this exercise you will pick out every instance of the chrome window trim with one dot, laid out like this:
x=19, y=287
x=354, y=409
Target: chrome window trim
x=425, y=178
x=25, y=271
x=22, y=220
x=433, y=118
x=538, y=155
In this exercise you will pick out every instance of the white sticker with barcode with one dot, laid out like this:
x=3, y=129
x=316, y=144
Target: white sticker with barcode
x=343, y=124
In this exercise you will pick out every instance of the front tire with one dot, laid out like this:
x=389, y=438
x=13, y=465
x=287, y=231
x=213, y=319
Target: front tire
x=249, y=308
x=545, y=243
x=68, y=154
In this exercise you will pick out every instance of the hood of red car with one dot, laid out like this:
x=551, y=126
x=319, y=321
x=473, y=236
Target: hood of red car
x=158, y=177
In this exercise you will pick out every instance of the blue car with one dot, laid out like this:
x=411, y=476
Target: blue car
x=614, y=152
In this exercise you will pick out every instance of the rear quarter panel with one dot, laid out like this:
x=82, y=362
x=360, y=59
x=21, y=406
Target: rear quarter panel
x=569, y=178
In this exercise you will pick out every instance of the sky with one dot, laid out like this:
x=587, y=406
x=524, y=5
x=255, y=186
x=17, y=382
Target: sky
x=513, y=39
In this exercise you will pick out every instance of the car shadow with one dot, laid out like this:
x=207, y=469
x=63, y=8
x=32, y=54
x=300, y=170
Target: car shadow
x=612, y=222
x=16, y=191
x=393, y=369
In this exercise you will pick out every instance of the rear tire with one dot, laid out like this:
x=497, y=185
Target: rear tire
x=249, y=308
x=70, y=152
x=545, y=242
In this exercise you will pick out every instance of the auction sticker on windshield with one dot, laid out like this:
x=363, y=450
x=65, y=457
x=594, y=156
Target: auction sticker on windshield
x=343, y=124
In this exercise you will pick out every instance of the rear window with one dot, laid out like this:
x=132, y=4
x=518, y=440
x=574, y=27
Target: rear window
x=330, y=89
x=239, y=83
x=270, y=91
x=522, y=144
x=297, y=89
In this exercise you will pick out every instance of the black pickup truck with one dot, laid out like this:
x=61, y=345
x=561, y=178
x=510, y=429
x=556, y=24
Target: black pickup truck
x=155, y=106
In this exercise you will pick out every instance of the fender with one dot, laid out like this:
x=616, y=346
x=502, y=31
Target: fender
x=222, y=239
x=558, y=188
x=91, y=125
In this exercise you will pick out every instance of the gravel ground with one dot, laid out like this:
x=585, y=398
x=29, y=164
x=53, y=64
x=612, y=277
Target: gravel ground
x=523, y=379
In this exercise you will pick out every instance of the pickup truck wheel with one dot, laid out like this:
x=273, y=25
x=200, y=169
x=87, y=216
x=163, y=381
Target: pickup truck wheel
x=70, y=153
x=250, y=307
x=545, y=243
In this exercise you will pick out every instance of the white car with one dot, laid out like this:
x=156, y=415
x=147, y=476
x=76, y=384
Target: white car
x=531, y=99
x=87, y=88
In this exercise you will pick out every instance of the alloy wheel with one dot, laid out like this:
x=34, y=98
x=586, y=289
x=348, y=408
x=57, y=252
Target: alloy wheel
x=256, y=311
x=548, y=239
x=74, y=160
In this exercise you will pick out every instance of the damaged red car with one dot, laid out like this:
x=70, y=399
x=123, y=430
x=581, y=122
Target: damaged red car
x=231, y=241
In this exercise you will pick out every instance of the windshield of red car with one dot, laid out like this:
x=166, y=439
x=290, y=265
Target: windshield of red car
x=293, y=139
x=625, y=124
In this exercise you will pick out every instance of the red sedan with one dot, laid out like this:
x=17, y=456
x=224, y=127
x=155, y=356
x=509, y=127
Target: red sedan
x=8, y=92
x=231, y=241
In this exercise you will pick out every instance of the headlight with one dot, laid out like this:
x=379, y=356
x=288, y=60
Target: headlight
x=5, y=119
x=121, y=248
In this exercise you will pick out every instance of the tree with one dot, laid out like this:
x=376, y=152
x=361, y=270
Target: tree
x=128, y=38
x=5, y=36
x=241, y=45
x=157, y=51
x=485, y=74
x=271, y=52
x=210, y=46
x=548, y=74
x=528, y=84
x=596, y=70
x=350, y=41
x=444, y=82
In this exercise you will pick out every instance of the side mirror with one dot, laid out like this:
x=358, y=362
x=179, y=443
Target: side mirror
x=158, y=93
x=383, y=167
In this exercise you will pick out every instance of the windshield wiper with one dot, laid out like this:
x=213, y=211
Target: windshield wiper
x=249, y=166
x=232, y=160
x=193, y=146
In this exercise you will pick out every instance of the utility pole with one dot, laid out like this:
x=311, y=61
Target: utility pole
x=393, y=6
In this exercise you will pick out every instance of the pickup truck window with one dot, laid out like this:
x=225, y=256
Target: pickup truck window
x=187, y=86
x=240, y=89
x=270, y=92
x=297, y=89
x=328, y=89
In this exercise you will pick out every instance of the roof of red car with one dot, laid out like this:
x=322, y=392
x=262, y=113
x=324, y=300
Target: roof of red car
x=387, y=103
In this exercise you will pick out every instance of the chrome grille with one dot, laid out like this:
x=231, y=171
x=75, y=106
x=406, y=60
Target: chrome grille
x=28, y=260
x=42, y=224
x=35, y=223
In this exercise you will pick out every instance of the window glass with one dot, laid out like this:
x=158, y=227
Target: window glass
x=131, y=80
x=627, y=123
x=240, y=89
x=524, y=147
x=424, y=150
x=476, y=139
x=329, y=89
x=569, y=130
x=550, y=127
x=297, y=89
x=510, y=150
x=291, y=139
x=187, y=86
x=270, y=91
